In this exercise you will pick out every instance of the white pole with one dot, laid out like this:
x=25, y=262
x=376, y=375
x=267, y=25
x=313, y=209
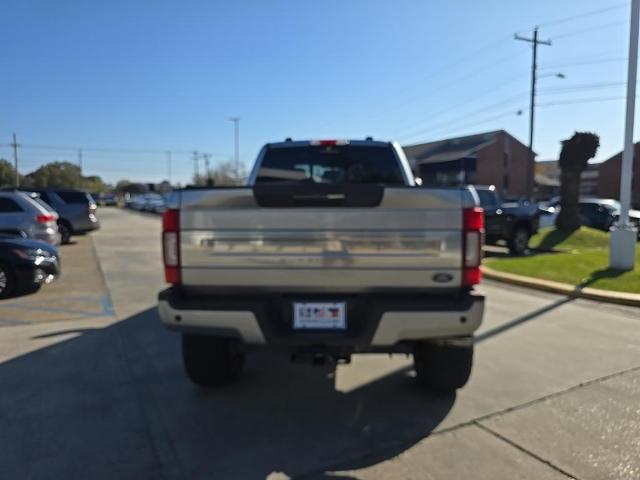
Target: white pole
x=622, y=243
x=627, y=155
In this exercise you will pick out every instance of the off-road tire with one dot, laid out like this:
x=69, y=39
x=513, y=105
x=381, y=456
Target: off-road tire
x=442, y=368
x=211, y=361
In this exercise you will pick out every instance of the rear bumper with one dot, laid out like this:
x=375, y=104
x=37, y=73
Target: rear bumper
x=84, y=225
x=50, y=236
x=379, y=321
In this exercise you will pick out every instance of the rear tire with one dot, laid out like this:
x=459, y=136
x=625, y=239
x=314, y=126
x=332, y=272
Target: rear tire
x=210, y=361
x=442, y=368
x=65, y=232
x=7, y=281
x=519, y=241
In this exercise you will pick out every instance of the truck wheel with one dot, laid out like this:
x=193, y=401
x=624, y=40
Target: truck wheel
x=519, y=241
x=211, y=361
x=442, y=368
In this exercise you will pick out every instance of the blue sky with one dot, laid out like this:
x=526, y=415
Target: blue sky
x=167, y=75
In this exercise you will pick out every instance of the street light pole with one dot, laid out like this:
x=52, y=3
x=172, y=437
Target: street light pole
x=169, y=166
x=622, y=241
x=236, y=135
x=196, y=172
x=15, y=146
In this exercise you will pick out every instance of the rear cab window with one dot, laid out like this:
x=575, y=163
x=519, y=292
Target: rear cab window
x=330, y=164
x=487, y=198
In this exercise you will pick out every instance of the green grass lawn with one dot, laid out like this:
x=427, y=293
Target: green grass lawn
x=577, y=258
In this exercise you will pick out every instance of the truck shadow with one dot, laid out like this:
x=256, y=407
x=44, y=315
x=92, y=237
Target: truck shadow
x=114, y=402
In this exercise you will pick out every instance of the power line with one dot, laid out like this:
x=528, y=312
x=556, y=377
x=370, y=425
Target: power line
x=472, y=114
x=576, y=64
x=519, y=111
x=435, y=73
x=586, y=86
x=124, y=151
x=469, y=100
x=590, y=29
x=584, y=15
x=581, y=100
x=469, y=124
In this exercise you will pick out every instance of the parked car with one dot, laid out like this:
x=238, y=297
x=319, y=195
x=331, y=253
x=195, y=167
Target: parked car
x=25, y=265
x=22, y=216
x=602, y=213
x=548, y=215
x=330, y=251
x=511, y=222
x=107, y=199
x=142, y=202
x=135, y=202
x=158, y=205
x=76, y=211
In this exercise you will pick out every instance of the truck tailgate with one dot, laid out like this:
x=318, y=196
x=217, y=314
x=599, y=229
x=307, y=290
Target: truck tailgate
x=410, y=239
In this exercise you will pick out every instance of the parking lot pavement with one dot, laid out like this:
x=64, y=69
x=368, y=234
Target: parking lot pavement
x=554, y=381
x=79, y=293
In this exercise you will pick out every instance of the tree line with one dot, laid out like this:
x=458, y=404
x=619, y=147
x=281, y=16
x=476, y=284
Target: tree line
x=55, y=175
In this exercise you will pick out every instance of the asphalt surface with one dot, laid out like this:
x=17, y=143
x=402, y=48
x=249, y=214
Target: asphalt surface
x=554, y=392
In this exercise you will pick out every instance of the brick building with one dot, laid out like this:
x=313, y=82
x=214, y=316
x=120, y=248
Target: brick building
x=491, y=158
x=548, y=179
x=609, y=177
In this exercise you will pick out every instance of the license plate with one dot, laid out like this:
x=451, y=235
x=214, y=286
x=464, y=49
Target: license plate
x=319, y=315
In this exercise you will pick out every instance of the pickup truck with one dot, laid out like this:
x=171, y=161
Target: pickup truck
x=331, y=250
x=510, y=222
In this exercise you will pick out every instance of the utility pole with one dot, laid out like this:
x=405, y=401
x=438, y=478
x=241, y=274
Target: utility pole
x=532, y=105
x=236, y=134
x=169, y=166
x=623, y=238
x=196, y=155
x=80, y=159
x=15, y=146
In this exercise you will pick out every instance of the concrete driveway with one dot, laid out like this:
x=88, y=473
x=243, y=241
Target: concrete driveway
x=554, y=394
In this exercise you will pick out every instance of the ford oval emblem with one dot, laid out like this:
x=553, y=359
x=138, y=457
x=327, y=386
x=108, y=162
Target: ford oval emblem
x=442, y=277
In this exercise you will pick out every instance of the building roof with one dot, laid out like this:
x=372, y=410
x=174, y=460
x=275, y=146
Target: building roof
x=450, y=149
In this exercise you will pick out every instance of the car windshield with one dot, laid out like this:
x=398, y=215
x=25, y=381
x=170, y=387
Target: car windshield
x=332, y=164
x=611, y=205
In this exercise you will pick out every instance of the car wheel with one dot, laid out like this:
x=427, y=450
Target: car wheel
x=65, y=232
x=7, y=281
x=442, y=368
x=211, y=361
x=519, y=241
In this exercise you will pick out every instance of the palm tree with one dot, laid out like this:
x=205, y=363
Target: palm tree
x=574, y=156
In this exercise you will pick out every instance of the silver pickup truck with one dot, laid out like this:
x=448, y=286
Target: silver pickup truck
x=331, y=249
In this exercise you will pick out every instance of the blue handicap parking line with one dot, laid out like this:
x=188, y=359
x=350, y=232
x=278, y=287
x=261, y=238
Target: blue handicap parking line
x=104, y=300
x=107, y=306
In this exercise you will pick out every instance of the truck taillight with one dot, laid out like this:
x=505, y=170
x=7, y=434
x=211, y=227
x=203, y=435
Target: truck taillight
x=171, y=245
x=472, y=240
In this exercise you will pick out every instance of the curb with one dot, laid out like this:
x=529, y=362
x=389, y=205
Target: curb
x=620, y=298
